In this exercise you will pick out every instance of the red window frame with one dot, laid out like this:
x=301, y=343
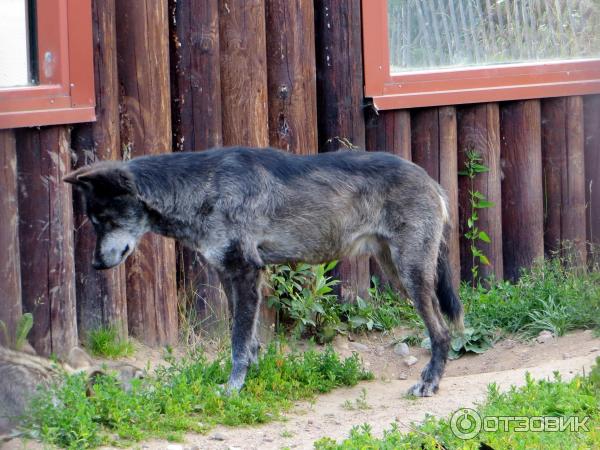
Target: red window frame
x=65, y=92
x=463, y=85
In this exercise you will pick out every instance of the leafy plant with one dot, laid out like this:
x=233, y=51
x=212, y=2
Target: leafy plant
x=471, y=340
x=302, y=296
x=186, y=395
x=24, y=326
x=106, y=342
x=473, y=167
x=359, y=404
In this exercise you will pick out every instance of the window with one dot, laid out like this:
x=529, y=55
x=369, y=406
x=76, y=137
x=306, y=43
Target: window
x=441, y=52
x=46, y=62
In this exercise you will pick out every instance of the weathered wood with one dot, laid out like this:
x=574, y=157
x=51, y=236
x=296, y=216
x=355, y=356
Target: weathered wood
x=522, y=186
x=564, y=176
x=46, y=238
x=291, y=67
x=479, y=130
x=196, y=116
x=339, y=105
x=244, y=87
x=434, y=147
x=101, y=297
x=243, y=72
x=387, y=131
x=449, y=181
x=143, y=64
x=591, y=117
x=10, y=281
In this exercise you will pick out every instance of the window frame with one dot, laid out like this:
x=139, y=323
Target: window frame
x=65, y=90
x=452, y=86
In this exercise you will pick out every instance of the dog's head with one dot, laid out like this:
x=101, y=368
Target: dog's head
x=114, y=207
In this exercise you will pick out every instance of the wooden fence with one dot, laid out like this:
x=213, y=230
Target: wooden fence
x=173, y=75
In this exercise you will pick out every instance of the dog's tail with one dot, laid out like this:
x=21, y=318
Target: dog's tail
x=449, y=302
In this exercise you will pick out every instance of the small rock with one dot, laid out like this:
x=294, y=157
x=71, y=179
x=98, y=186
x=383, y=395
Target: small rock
x=379, y=350
x=174, y=447
x=544, y=336
x=194, y=447
x=594, y=349
x=401, y=349
x=566, y=356
x=218, y=437
x=309, y=422
x=410, y=361
x=402, y=376
x=233, y=448
x=268, y=439
x=358, y=346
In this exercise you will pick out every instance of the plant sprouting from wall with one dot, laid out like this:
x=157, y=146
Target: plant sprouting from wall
x=477, y=201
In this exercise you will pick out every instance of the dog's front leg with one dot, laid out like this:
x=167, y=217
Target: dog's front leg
x=246, y=292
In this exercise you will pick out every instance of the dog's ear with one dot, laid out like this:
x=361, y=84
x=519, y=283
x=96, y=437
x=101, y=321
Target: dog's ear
x=106, y=178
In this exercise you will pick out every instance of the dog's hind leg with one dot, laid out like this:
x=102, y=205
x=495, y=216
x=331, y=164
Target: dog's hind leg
x=418, y=278
x=245, y=292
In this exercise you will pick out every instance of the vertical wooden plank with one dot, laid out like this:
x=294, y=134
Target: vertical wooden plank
x=243, y=73
x=387, y=131
x=196, y=116
x=522, y=186
x=591, y=116
x=244, y=88
x=434, y=147
x=291, y=77
x=143, y=63
x=479, y=130
x=449, y=181
x=10, y=281
x=101, y=297
x=339, y=104
x=46, y=239
x=564, y=175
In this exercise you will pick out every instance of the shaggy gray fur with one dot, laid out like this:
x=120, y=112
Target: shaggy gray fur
x=242, y=208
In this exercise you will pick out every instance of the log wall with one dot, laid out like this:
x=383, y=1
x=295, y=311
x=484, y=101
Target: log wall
x=187, y=76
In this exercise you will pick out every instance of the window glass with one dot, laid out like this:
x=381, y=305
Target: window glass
x=15, y=66
x=426, y=34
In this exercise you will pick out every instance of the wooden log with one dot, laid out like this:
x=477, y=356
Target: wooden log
x=292, y=89
x=143, y=64
x=387, y=131
x=522, y=186
x=244, y=88
x=243, y=73
x=591, y=116
x=434, y=147
x=196, y=116
x=101, y=297
x=10, y=281
x=46, y=238
x=479, y=130
x=339, y=105
x=564, y=176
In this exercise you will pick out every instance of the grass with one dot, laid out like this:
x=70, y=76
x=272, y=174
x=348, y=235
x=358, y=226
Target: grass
x=185, y=396
x=550, y=296
x=579, y=397
x=106, y=342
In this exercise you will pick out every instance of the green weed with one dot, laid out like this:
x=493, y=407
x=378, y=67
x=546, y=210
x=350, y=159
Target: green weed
x=186, y=395
x=106, y=342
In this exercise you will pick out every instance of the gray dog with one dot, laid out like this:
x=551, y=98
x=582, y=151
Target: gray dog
x=243, y=208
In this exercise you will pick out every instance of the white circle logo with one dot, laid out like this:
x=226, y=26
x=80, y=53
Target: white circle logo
x=465, y=423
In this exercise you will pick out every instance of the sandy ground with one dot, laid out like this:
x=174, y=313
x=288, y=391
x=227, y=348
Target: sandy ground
x=465, y=384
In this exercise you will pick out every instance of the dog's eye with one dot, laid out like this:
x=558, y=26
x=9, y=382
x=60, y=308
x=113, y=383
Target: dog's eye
x=94, y=220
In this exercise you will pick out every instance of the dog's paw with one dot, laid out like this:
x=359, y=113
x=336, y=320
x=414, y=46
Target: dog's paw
x=423, y=389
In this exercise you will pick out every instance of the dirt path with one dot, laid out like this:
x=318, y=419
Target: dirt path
x=465, y=384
